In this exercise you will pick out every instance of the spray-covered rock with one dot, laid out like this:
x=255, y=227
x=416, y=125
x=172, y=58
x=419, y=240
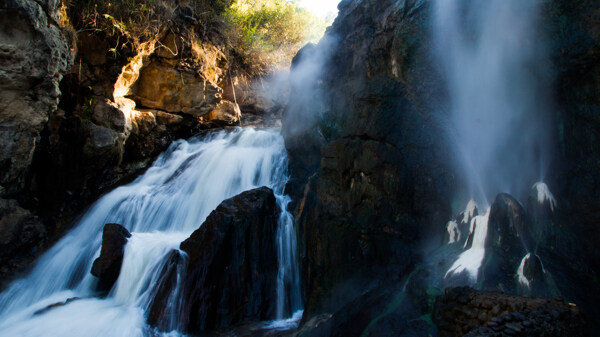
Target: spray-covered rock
x=507, y=242
x=232, y=271
x=107, y=266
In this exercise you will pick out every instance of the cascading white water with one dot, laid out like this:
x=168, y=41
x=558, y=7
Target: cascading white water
x=490, y=57
x=161, y=209
x=470, y=260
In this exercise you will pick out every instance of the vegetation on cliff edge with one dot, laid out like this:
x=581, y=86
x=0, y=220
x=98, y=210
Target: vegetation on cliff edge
x=259, y=34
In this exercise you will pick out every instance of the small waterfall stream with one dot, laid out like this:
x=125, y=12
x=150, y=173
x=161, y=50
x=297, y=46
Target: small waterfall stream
x=161, y=209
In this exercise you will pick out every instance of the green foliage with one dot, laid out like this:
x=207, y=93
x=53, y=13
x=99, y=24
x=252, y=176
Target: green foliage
x=260, y=34
x=138, y=20
x=270, y=32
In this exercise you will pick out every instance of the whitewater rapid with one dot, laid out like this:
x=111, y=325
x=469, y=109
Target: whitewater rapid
x=161, y=209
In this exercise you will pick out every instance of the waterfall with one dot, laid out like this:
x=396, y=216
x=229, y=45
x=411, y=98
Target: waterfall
x=161, y=209
x=490, y=56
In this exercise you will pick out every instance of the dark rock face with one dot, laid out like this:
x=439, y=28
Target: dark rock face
x=108, y=265
x=369, y=176
x=380, y=176
x=507, y=242
x=570, y=248
x=468, y=312
x=232, y=265
x=21, y=234
x=165, y=308
x=384, y=311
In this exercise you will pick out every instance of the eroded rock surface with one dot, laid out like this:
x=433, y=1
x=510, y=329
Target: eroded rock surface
x=34, y=52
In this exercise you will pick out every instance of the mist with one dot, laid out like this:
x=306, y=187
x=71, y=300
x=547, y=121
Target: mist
x=491, y=57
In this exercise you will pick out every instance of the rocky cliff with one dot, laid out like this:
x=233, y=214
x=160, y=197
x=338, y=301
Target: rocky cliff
x=571, y=236
x=371, y=175
x=380, y=182
x=86, y=108
x=34, y=53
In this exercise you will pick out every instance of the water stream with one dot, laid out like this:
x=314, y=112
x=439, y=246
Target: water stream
x=161, y=209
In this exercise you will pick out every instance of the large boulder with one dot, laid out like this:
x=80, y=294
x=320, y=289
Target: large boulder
x=506, y=244
x=107, y=266
x=231, y=274
x=173, y=89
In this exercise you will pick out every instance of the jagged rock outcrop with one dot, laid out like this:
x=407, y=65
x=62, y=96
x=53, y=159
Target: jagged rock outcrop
x=231, y=274
x=122, y=102
x=34, y=52
x=107, y=266
x=468, y=312
x=380, y=177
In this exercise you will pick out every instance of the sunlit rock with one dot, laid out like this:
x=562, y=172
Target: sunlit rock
x=533, y=279
x=225, y=113
x=168, y=88
x=461, y=225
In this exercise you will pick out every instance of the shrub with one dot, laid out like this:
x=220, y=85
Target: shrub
x=261, y=34
x=270, y=32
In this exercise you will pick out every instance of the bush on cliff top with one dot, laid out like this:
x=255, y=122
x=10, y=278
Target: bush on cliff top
x=261, y=33
x=270, y=32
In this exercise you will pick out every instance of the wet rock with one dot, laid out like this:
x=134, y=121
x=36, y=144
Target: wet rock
x=165, y=308
x=571, y=251
x=449, y=315
x=55, y=305
x=384, y=311
x=538, y=282
x=232, y=269
x=108, y=265
x=507, y=242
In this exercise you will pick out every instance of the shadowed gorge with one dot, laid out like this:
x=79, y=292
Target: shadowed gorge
x=217, y=168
